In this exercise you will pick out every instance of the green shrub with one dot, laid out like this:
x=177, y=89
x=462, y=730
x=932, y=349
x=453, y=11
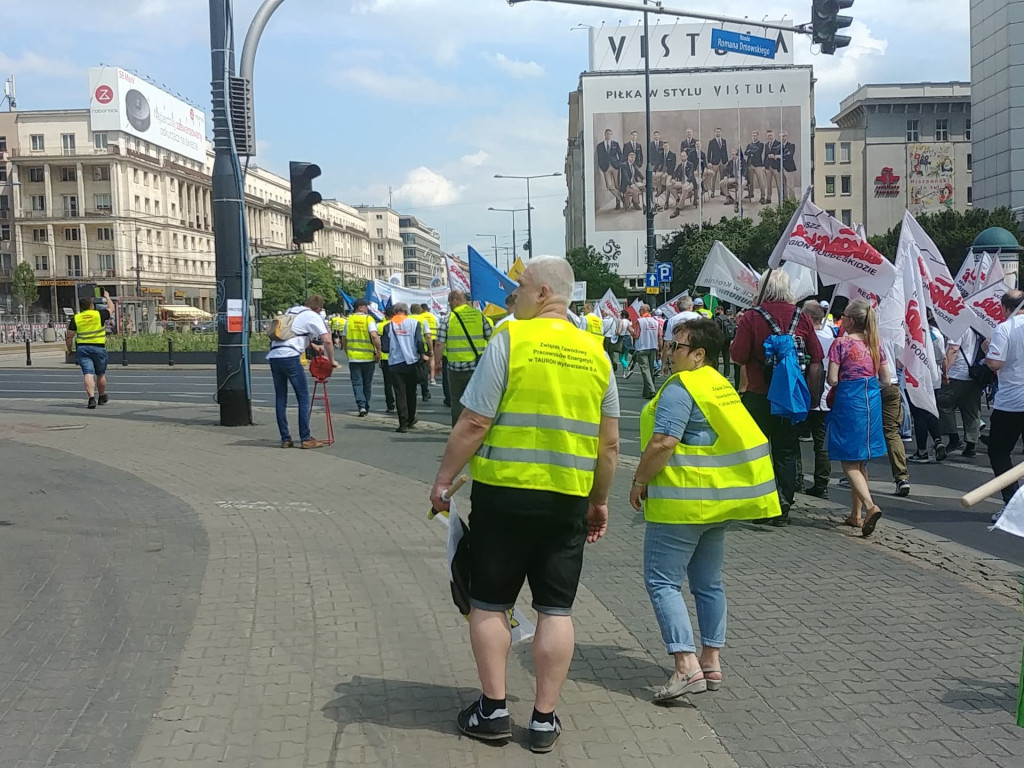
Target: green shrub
x=183, y=342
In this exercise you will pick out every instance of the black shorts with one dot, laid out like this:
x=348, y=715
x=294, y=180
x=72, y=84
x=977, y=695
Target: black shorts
x=520, y=534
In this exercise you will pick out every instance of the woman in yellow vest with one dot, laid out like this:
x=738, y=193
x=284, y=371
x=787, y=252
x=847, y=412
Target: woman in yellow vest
x=704, y=464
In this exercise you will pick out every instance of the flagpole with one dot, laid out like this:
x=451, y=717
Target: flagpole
x=700, y=178
x=740, y=161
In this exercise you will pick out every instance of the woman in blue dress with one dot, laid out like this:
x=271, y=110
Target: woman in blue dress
x=856, y=364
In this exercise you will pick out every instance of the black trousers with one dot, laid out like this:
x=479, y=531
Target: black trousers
x=783, y=439
x=406, y=383
x=444, y=381
x=925, y=423
x=389, y=385
x=1004, y=431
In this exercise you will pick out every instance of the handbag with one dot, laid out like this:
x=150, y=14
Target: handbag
x=978, y=372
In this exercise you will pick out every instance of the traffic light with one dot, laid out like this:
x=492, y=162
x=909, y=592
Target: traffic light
x=304, y=224
x=826, y=22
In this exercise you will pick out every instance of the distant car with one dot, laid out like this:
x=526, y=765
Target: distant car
x=207, y=327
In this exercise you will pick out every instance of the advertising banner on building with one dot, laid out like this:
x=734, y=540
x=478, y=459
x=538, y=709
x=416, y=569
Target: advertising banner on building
x=120, y=101
x=930, y=177
x=725, y=143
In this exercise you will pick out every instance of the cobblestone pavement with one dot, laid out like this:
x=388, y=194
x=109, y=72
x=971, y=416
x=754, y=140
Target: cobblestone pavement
x=323, y=634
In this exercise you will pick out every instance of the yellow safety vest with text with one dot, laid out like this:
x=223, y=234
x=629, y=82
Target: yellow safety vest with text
x=359, y=346
x=732, y=479
x=431, y=321
x=545, y=434
x=457, y=347
x=89, y=328
x=594, y=325
x=337, y=324
x=382, y=329
x=704, y=312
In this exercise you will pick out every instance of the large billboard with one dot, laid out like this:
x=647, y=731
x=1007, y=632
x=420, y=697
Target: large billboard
x=120, y=101
x=930, y=178
x=737, y=141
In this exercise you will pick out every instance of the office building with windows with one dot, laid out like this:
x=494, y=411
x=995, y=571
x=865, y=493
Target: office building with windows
x=895, y=147
x=386, y=257
x=8, y=137
x=421, y=252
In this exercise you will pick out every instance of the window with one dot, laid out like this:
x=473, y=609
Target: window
x=101, y=173
x=5, y=203
x=970, y=162
x=149, y=236
x=39, y=235
x=847, y=217
x=844, y=152
x=102, y=201
x=846, y=185
x=913, y=132
x=70, y=206
x=174, y=240
x=74, y=265
x=107, y=262
x=5, y=231
x=3, y=143
x=156, y=207
x=176, y=267
x=970, y=195
x=942, y=129
x=99, y=140
x=67, y=143
x=967, y=128
x=380, y=232
x=38, y=202
x=147, y=205
x=68, y=173
x=138, y=204
x=135, y=176
x=42, y=262
x=105, y=233
x=36, y=142
x=379, y=217
x=36, y=174
x=71, y=233
x=145, y=179
x=3, y=173
x=830, y=152
x=830, y=186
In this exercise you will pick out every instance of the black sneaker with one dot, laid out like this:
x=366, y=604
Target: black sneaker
x=362, y=412
x=818, y=491
x=544, y=735
x=940, y=451
x=103, y=400
x=92, y=403
x=969, y=453
x=954, y=445
x=902, y=488
x=494, y=728
x=920, y=458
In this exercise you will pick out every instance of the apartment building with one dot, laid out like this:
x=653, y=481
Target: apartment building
x=421, y=252
x=8, y=139
x=385, y=240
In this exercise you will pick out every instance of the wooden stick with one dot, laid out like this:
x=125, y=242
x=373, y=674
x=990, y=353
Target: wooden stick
x=459, y=482
x=992, y=486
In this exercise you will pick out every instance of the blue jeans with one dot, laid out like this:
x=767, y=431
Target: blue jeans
x=362, y=382
x=287, y=370
x=91, y=359
x=673, y=553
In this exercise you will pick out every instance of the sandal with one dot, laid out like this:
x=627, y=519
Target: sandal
x=713, y=684
x=852, y=524
x=869, y=524
x=682, y=687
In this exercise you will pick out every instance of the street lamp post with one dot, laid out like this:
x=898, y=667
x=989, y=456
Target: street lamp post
x=495, y=247
x=529, y=218
x=513, y=211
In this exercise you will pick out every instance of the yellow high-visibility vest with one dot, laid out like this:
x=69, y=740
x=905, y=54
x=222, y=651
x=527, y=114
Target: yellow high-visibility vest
x=359, y=346
x=733, y=479
x=545, y=434
x=431, y=321
x=458, y=348
x=594, y=324
x=89, y=328
x=383, y=329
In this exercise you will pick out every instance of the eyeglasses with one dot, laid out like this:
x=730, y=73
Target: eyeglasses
x=674, y=346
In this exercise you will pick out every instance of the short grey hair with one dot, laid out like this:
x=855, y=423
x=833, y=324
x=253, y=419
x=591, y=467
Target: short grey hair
x=401, y=308
x=685, y=304
x=814, y=310
x=556, y=273
x=776, y=287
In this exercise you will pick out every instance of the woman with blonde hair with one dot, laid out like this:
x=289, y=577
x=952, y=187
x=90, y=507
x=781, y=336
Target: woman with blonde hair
x=856, y=365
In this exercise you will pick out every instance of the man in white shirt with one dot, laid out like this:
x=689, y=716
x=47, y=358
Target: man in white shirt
x=1006, y=358
x=285, y=358
x=819, y=411
x=645, y=333
x=960, y=392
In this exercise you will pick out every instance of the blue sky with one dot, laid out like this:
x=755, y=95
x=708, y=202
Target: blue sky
x=428, y=97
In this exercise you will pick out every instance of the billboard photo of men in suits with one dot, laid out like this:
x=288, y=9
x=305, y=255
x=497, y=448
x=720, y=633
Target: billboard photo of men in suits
x=609, y=158
x=718, y=156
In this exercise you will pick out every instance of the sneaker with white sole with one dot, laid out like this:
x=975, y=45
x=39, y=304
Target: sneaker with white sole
x=996, y=516
x=544, y=735
x=497, y=727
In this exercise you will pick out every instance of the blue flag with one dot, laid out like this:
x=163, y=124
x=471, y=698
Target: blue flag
x=346, y=299
x=488, y=284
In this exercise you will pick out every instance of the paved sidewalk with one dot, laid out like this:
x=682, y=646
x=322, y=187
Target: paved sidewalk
x=323, y=634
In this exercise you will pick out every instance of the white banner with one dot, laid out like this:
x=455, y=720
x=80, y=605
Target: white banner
x=579, y=290
x=820, y=242
x=943, y=297
x=991, y=272
x=967, y=278
x=727, y=277
x=609, y=306
x=852, y=292
x=802, y=280
x=918, y=363
x=986, y=310
x=458, y=277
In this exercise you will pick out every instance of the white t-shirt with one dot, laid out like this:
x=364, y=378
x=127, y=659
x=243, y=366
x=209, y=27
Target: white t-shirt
x=1007, y=344
x=509, y=318
x=610, y=328
x=681, y=317
x=968, y=344
x=889, y=349
x=648, y=338
x=307, y=326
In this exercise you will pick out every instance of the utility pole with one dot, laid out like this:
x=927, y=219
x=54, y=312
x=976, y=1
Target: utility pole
x=649, y=176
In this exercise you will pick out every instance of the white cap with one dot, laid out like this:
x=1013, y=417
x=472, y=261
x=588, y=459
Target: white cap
x=823, y=304
x=698, y=302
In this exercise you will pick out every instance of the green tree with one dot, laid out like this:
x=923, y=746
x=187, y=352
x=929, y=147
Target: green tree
x=952, y=231
x=24, y=287
x=596, y=268
x=285, y=282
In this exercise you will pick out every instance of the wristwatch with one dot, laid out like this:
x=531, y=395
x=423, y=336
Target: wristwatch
x=638, y=485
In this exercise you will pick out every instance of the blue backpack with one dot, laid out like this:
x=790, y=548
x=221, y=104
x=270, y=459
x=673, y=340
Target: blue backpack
x=785, y=363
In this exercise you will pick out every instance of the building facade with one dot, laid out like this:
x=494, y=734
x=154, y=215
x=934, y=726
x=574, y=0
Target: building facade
x=997, y=59
x=896, y=147
x=421, y=252
x=386, y=257
x=8, y=143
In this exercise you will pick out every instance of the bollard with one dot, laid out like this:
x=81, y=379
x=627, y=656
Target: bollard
x=124, y=352
x=28, y=352
x=170, y=352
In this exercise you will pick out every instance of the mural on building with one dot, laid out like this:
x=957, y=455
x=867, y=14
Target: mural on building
x=930, y=178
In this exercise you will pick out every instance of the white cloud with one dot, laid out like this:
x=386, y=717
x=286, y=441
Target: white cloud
x=423, y=187
x=517, y=68
x=395, y=87
x=34, y=64
x=839, y=75
x=476, y=159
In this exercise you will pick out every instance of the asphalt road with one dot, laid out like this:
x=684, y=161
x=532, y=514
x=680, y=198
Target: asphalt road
x=933, y=505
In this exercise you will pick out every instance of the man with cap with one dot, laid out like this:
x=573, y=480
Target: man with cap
x=700, y=309
x=361, y=343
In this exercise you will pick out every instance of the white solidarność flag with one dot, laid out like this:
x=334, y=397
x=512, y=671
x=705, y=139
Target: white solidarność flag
x=833, y=250
x=727, y=277
x=991, y=272
x=609, y=306
x=458, y=278
x=943, y=298
x=803, y=281
x=986, y=309
x=917, y=358
x=458, y=574
x=967, y=278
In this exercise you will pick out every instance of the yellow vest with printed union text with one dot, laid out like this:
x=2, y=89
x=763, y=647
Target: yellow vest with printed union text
x=594, y=324
x=89, y=329
x=359, y=346
x=457, y=346
x=430, y=320
x=545, y=434
x=732, y=479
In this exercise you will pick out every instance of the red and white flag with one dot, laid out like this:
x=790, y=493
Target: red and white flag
x=990, y=271
x=458, y=276
x=986, y=309
x=833, y=250
x=609, y=306
x=727, y=276
x=943, y=297
x=917, y=358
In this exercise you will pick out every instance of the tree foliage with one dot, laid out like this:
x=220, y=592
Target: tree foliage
x=24, y=287
x=285, y=282
x=596, y=268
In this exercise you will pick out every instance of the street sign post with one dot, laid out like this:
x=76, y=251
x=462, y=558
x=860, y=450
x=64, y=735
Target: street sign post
x=737, y=42
x=663, y=270
x=651, y=281
x=653, y=290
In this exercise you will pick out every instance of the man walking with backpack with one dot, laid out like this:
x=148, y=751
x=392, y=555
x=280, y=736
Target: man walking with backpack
x=777, y=307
